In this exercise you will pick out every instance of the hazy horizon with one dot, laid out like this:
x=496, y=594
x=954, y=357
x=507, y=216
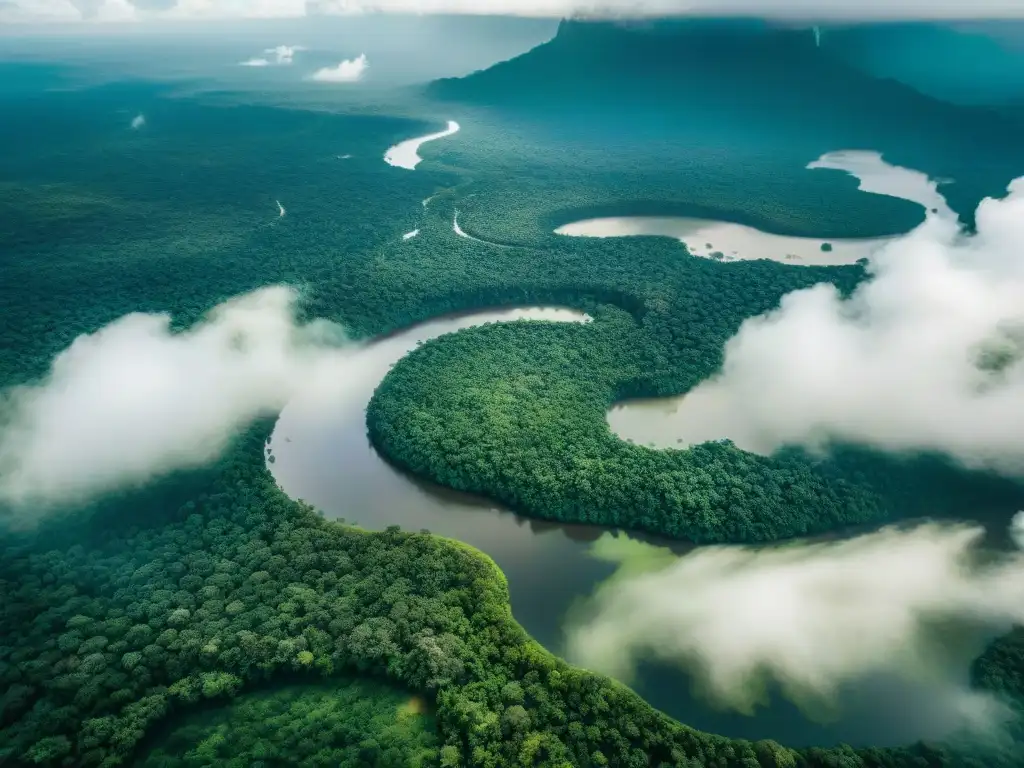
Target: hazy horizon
x=121, y=11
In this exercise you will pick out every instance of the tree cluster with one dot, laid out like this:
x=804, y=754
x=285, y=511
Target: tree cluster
x=197, y=596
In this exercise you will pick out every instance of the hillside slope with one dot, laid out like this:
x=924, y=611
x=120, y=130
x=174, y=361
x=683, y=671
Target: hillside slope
x=980, y=63
x=740, y=83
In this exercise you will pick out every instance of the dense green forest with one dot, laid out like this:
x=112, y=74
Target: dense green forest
x=108, y=638
x=181, y=214
x=342, y=724
x=526, y=186
x=193, y=595
x=518, y=414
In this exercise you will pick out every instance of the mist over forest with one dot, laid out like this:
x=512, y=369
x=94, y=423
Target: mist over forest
x=546, y=386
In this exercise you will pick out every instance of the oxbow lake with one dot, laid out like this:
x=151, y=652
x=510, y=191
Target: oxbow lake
x=727, y=241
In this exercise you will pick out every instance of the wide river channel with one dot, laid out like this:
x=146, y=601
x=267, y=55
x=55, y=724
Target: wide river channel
x=321, y=454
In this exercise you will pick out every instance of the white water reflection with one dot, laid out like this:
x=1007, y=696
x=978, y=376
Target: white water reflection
x=726, y=241
x=658, y=422
x=406, y=154
x=710, y=413
x=878, y=177
x=458, y=230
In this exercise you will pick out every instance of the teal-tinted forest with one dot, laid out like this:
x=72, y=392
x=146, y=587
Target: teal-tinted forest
x=732, y=89
x=208, y=619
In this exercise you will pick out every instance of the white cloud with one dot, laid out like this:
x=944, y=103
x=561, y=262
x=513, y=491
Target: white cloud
x=348, y=71
x=116, y=11
x=39, y=11
x=43, y=10
x=234, y=9
x=1017, y=529
x=811, y=617
x=810, y=9
x=134, y=400
x=335, y=7
x=283, y=55
x=928, y=354
x=138, y=121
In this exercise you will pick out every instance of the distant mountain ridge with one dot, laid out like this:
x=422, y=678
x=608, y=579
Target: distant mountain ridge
x=743, y=82
x=763, y=63
x=974, y=61
x=980, y=63
x=600, y=58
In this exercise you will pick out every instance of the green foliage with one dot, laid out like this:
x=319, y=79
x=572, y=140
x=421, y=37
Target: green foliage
x=182, y=215
x=411, y=607
x=518, y=413
x=347, y=723
x=174, y=599
x=48, y=750
x=1001, y=667
x=461, y=411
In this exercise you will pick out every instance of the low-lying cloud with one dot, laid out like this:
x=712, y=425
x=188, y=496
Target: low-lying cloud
x=347, y=71
x=232, y=9
x=1017, y=529
x=116, y=11
x=280, y=56
x=802, y=9
x=40, y=11
x=284, y=54
x=927, y=354
x=810, y=617
x=63, y=10
x=135, y=400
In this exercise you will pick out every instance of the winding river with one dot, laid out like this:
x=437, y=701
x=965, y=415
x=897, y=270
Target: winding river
x=320, y=453
x=458, y=230
x=878, y=177
x=699, y=416
x=727, y=241
x=406, y=154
